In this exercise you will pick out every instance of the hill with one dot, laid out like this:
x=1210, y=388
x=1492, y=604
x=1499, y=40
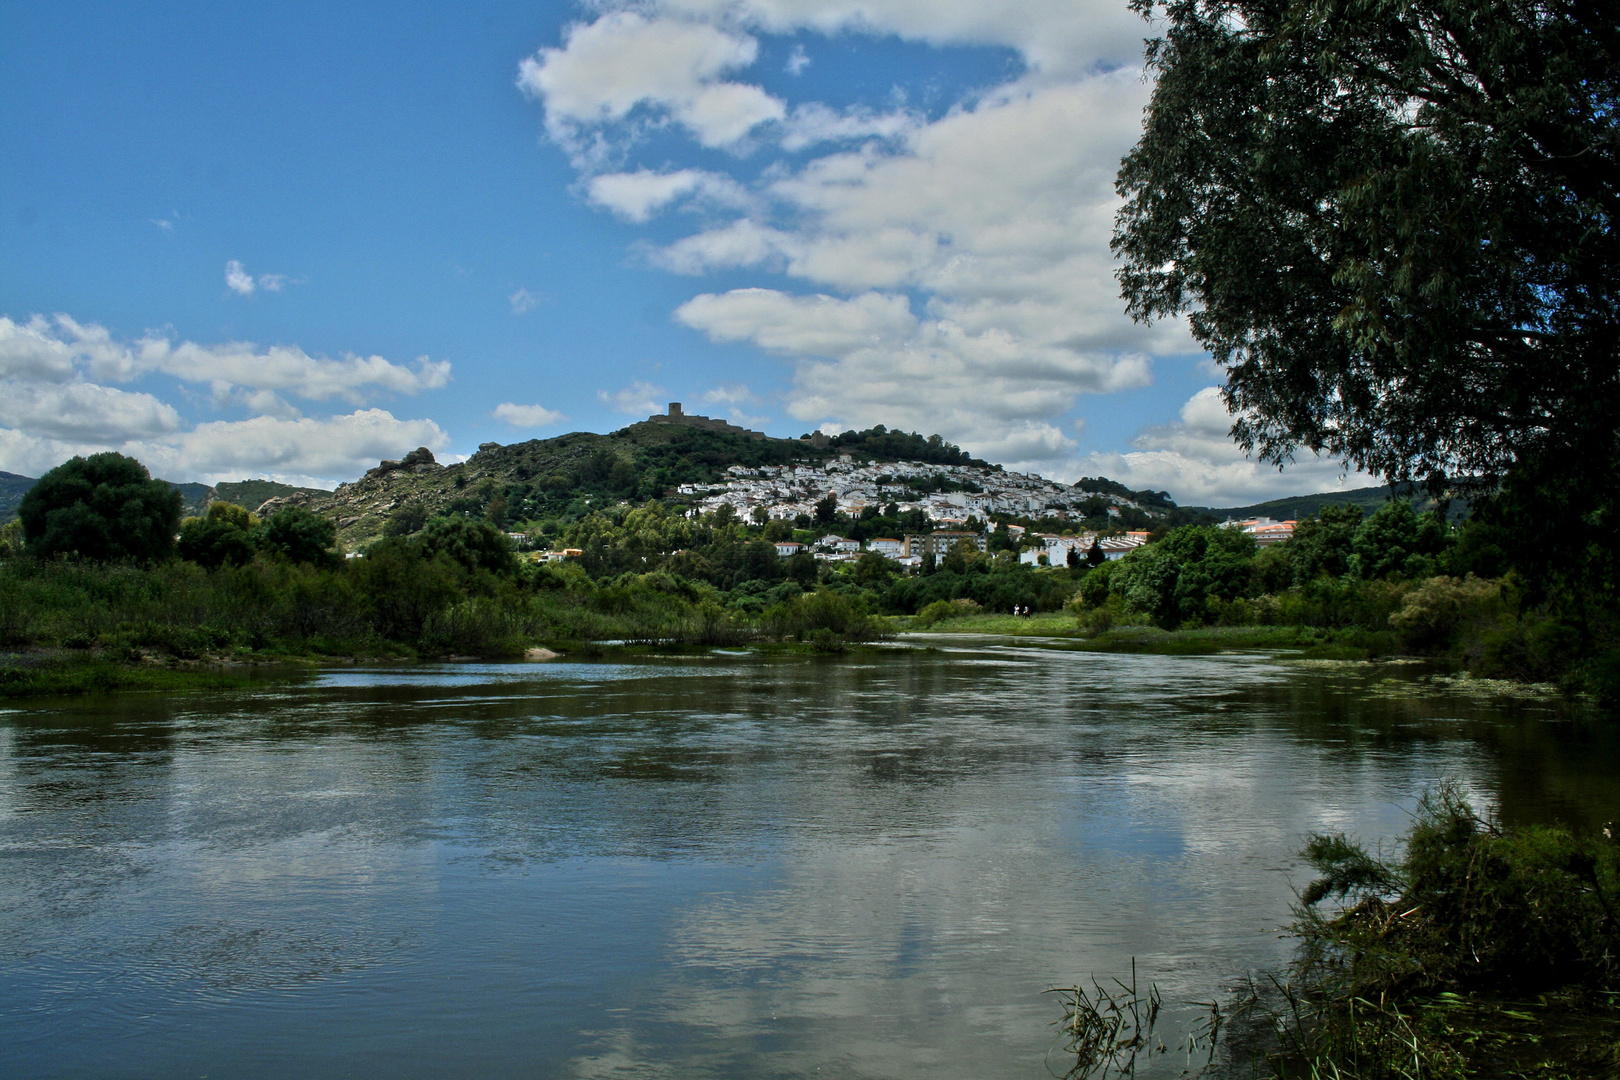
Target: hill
x=12, y=489
x=194, y=497
x=251, y=494
x=1298, y=506
x=700, y=466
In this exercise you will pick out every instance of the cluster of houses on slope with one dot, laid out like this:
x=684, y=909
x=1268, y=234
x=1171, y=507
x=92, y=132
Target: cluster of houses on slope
x=1053, y=550
x=908, y=552
x=1050, y=549
x=1265, y=531
x=786, y=491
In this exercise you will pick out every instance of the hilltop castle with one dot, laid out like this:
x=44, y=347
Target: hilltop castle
x=676, y=416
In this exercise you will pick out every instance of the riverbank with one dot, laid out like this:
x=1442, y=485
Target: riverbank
x=1314, y=642
x=63, y=673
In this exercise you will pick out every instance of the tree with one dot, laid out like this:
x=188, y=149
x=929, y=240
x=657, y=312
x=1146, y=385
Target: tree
x=476, y=545
x=222, y=537
x=105, y=506
x=406, y=520
x=1324, y=544
x=299, y=536
x=1392, y=222
x=1396, y=542
x=826, y=509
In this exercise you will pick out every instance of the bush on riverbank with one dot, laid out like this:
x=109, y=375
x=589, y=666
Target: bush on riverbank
x=1480, y=951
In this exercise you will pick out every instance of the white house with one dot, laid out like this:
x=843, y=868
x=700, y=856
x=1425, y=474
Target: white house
x=786, y=548
x=885, y=545
x=1117, y=547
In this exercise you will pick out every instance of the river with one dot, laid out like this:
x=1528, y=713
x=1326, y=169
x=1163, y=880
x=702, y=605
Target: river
x=730, y=865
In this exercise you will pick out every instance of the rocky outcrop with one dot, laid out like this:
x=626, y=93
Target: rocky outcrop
x=418, y=461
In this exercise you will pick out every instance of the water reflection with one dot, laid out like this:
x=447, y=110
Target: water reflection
x=713, y=866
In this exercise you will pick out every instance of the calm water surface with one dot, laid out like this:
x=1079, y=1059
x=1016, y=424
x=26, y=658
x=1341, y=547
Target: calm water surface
x=726, y=866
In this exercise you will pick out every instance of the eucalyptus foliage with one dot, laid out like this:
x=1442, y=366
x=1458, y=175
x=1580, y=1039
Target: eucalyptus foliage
x=1392, y=222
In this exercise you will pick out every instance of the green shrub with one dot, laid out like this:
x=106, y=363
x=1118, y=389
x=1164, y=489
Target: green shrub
x=1480, y=951
x=1436, y=613
x=103, y=507
x=299, y=536
x=845, y=617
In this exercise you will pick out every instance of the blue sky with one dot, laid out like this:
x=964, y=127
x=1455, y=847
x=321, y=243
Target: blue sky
x=290, y=240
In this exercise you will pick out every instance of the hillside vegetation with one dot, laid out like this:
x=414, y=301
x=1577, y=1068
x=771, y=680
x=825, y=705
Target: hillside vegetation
x=545, y=485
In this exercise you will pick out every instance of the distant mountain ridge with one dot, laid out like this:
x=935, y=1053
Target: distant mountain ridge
x=195, y=498
x=1299, y=506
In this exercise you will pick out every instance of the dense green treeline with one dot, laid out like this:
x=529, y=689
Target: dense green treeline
x=455, y=588
x=1392, y=582
x=1398, y=581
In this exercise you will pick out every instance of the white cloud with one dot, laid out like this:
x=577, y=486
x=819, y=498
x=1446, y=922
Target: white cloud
x=639, y=195
x=607, y=68
x=867, y=360
x=85, y=411
x=742, y=243
x=289, y=369
x=799, y=325
x=731, y=394
x=51, y=407
x=31, y=352
x=532, y=416
x=235, y=371
x=1195, y=459
x=815, y=123
x=738, y=401
x=797, y=61
x=637, y=398
x=1057, y=38
x=338, y=447
x=319, y=453
x=522, y=301
x=238, y=279
x=999, y=217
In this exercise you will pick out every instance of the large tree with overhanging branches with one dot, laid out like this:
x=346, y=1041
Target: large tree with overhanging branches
x=1392, y=223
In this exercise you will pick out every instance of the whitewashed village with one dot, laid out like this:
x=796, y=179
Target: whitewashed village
x=968, y=505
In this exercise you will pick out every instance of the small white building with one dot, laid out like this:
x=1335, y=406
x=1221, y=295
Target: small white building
x=1117, y=547
x=885, y=545
x=788, y=548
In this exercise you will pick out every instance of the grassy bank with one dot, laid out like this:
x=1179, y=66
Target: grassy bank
x=25, y=675
x=1313, y=642
x=1040, y=624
